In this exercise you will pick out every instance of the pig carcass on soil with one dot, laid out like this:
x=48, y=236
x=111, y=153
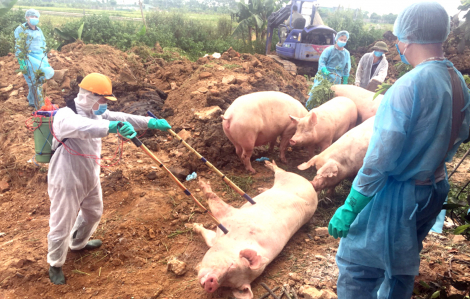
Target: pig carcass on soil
x=257, y=233
x=342, y=159
x=366, y=106
x=324, y=124
x=259, y=118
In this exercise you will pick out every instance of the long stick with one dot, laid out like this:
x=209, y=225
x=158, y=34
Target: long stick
x=139, y=144
x=455, y=169
x=224, y=178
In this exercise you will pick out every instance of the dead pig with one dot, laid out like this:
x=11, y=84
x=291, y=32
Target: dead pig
x=257, y=233
x=324, y=124
x=342, y=159
x=259, y=118
x=366, y=105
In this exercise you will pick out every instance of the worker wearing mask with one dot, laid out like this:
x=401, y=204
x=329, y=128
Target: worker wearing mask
x=73, y=179
x=372, y=68
x=399, y=191
x=36, y=58
x=334, y=64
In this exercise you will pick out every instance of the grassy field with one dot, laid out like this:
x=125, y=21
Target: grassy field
x=116, y=13
x=204, y=17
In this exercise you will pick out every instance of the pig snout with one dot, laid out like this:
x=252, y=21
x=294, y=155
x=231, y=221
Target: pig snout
x=210, y=284
x=292, y=142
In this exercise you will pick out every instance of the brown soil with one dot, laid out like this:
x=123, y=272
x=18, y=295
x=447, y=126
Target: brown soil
x=143, y=225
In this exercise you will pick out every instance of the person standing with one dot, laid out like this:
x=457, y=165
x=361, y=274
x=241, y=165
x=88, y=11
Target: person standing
x=334, y=63
x=36, y=58
x=399, y=191
x=73, y=179
x=373, y=67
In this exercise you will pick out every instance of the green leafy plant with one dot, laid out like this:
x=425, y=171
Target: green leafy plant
x=5, y=6
x=359, y=34
x=35, y=76
x=458, y=202
x=322, y=92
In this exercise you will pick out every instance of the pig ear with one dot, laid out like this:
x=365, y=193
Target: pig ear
x=313, y=118
x=255, y=261
x=330, y=169
x=244, y=292
x=294, y=119
x=308, y=164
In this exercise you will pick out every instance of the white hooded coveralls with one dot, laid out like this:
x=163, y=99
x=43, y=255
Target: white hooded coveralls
x=73, y=181
x=363, y=76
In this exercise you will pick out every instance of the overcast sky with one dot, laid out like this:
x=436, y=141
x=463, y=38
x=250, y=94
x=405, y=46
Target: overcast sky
x=385, y=7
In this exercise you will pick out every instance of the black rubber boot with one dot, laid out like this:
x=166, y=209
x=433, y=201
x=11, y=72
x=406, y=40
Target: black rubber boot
x=93, y=244
x=56, y=275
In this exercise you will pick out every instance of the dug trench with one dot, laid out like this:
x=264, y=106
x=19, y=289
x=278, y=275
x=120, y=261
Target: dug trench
x=143, y=224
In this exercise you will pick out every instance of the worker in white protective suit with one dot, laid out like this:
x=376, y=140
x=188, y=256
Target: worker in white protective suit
x=373, y=67
x=73, y=179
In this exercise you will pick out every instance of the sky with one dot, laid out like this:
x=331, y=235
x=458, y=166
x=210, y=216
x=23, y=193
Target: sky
x=385, y=7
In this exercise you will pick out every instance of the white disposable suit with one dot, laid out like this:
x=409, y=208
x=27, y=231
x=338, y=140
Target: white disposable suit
x=363, y=75
x=73, y=180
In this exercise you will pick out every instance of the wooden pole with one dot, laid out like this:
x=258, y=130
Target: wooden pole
x=142, y=12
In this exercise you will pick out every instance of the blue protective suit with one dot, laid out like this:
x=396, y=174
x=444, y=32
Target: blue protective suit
x=338, y=62
x=37, y=59
x=410, y=140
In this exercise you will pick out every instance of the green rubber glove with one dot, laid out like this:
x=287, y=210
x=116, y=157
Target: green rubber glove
x=113, y=126
x=127, y=130
x=22, y=64
x=345, y=79
x=345, y=215
x=159, y=124
x=325, y=71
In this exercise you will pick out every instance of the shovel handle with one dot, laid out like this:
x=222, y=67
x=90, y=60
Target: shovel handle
x=135, y=140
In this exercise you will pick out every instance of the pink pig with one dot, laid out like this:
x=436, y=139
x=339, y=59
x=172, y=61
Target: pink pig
x=257, y=233
x=342, y=159
x=259, y=118
x=366, y=105
x=324, y=124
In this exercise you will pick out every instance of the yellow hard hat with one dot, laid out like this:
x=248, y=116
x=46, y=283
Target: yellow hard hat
x=98, y=84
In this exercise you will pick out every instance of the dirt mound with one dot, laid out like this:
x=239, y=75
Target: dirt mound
x=454, y=50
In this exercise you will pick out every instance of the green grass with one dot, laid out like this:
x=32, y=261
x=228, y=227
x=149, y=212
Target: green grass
x=379, y=26
x=116, y=13
x=204, y=17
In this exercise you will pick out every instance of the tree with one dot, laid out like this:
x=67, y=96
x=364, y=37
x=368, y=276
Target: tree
x=365, y=14
x=390, y=18
x=255, y=15
x=6, y=5
x=375, y=17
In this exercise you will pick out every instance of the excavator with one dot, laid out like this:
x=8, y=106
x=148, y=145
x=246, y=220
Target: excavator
x=301, y=39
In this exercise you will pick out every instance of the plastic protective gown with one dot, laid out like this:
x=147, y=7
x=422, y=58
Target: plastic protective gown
x=411, y=131
x=363, y=76
x=74, y=183
x=37, y=59
x=338, y=62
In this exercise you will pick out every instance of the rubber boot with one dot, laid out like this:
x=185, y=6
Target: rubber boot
x=59, y=75
x=93, y=244
x=56, y=275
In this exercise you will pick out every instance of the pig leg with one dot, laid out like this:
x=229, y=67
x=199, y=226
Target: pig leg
x=208, y=235
x=272, y=165
x=282, y=148
x=217, y=206
x=246, y=155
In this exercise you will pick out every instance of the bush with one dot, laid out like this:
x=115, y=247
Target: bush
x=358, y=36
x=322, y=93
x=194, y=37
x=8, y=24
